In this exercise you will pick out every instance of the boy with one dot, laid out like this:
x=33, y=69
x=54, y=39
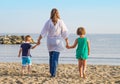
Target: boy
x=26, y=56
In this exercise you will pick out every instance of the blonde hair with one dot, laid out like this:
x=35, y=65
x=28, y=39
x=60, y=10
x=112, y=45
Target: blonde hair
x=81, y=31
x=26, y=37
x=54, y=15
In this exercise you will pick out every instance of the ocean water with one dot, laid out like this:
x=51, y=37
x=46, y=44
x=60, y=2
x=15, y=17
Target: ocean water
x=105, y=50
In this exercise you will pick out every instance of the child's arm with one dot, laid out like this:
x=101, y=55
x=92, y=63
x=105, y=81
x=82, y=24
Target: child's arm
x=74, y=45
x=34, y=46
x=19, y=52
x=88, y=47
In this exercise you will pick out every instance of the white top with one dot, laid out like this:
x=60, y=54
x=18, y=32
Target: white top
x=54, y=34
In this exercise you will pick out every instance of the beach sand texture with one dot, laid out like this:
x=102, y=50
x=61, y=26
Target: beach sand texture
x=66, y=74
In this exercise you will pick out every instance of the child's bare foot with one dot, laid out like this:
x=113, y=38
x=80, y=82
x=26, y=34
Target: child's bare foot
x=81, y=75
x=29, y=73
x=22, y=74
x=84, y=75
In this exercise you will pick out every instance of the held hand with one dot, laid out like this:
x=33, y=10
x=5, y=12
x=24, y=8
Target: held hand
x=38, y=43
x=67, y=46
x=67, y=43
x=39, y=39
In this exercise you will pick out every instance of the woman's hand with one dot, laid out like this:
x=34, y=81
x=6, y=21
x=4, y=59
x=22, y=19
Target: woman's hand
x=67, y=43
x=38, y=43
x=67, y=46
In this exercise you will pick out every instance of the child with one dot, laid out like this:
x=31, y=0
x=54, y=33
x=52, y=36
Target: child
x=82, y=51
x=26, y=56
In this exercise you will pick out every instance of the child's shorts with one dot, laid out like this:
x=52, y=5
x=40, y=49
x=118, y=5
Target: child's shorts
x=26, y=60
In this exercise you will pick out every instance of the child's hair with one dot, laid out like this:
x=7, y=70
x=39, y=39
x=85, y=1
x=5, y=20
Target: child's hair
x=26, y=37
x=81, y=31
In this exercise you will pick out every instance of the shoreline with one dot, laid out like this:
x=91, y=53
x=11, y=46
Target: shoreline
x=64, y=63
x=66, y=74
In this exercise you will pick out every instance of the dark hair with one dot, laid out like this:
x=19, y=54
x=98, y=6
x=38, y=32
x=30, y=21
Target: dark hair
x=54, y=15
x=27, y=36
x=81, y=31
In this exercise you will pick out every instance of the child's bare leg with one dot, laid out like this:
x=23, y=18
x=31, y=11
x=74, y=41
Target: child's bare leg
x=23, y=70
x=80, y=67
x=29, y=69
x=84, y=68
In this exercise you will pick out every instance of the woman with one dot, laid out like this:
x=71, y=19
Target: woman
x=55, y=30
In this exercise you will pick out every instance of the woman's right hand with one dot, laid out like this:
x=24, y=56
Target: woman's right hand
x=38, y=43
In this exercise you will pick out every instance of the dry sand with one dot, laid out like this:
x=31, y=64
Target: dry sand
x=66, y=74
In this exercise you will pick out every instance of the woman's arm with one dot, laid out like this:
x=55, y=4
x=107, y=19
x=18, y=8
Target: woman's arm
x=64, y=31
x=88, y=47
x=39, y=38
x=67, y=42
x=74, y=45
x=43, y=32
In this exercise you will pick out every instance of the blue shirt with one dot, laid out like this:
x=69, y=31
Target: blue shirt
x=26, y=49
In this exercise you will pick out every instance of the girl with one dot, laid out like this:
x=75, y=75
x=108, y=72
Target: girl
x=82, y=51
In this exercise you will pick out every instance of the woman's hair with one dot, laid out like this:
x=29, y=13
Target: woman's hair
x=81, y=31
x=54, y=15
x=26, y=37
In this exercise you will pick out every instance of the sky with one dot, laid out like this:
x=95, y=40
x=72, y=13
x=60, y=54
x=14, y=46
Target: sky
x=29, y=16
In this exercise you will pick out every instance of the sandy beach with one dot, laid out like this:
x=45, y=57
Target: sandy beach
x=67, y=74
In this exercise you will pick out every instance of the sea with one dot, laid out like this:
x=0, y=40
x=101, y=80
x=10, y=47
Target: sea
x=105, y=50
